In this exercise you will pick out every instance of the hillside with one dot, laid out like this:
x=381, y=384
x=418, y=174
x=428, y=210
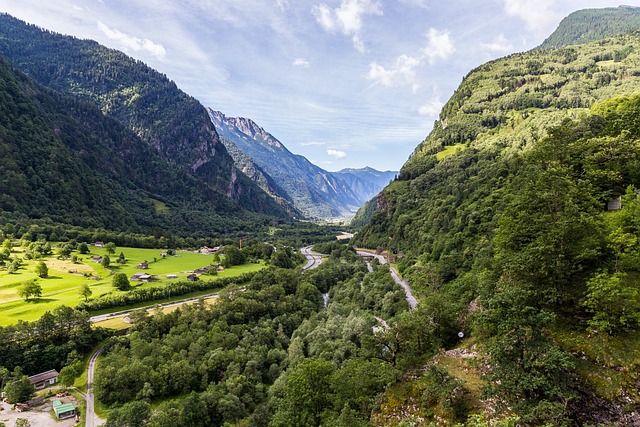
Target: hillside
x=588, y=25
x=146, y=102
x=311, y=189
x=64, y=161
x=500, y=218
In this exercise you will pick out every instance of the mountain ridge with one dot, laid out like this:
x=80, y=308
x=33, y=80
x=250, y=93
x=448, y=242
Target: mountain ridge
x=140, y=98
x=313, y=190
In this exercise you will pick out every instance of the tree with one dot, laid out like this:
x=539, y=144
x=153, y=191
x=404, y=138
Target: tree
x=64, y=251
x=20, y=390
x=69, y=373
x=132, y=414
x=121, y=259
x=234, y=255
x=121, y=282
x=110, y=248
x=42, y=270
x=614, y=301
x=106, y=261
x=30, y=289
x=85, y=291
x=83, y=248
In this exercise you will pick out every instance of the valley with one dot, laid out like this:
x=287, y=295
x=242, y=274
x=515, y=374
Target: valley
x=171, y=265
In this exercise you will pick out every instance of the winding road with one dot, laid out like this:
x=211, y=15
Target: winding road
x=92, y=419
x=313, y=259
x=413, y=302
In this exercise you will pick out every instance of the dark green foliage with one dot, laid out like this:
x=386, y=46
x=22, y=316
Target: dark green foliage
x=46, y=343
x=20, y=390
x=30, y=289
x=65, y=168
x=42, y=270
x=445, y=392
x=120, y=281
x=585, y=26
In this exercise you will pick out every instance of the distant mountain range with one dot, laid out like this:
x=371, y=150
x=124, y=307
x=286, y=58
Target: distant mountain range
x=293, y=179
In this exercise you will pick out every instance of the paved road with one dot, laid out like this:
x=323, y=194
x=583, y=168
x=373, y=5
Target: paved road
x=100, y=317
x=413, y=302
x=91, y=417
x=313, y=259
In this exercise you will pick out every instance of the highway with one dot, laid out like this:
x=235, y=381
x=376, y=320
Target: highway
x=313, y=259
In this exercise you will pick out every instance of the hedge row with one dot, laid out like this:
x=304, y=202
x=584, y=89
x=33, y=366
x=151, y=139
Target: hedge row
x=137, y=296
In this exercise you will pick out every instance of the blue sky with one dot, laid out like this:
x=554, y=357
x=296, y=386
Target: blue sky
x=345, y=83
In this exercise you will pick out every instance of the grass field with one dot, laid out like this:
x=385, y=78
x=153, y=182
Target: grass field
x=62, y=287
x=449, y=150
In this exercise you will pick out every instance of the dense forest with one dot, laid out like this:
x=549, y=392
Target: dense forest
x=513, y=230
x=584, y=26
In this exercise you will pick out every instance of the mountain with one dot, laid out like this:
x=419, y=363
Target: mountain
x=588, y=25
x=146, y=102
x=501, y=223
x=311, y=189
x=366, y=182
x=63, y=160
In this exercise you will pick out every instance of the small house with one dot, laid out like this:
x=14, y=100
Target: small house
x=144, y=265
x=172, y=276
x=44, y=379
x=142, y=277
x=63, y=410
x=98, y=244
x=192, y=277
x=615, y=204
x=96, y=258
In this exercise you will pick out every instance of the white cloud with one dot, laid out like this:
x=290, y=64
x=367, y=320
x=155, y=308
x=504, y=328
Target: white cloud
x=499, y=44
x=133, y=43
x=440, y=45
x=337, y=153
x=538, y=14
x=416, y=3
x=347, y=18
x=402, y=73
x=311, y=143
x=431, y=108
x=301, y=62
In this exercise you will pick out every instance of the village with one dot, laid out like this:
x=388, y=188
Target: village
x=52, y=404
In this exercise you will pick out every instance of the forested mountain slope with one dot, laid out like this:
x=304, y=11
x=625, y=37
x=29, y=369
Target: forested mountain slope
x=512, y=234
x=588, y=25
x=143, y=100
x=63, y=160
x=313, y=190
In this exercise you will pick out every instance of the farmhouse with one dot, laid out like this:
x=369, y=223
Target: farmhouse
x=143, y=277
x=192, y=277
x=63, y=410
x=615, y=204
x=172, y=276
x=44, y=379
x=98, y=244
x=96, y=258
x=144, y=265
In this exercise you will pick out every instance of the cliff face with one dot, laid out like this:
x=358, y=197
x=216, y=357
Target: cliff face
x=312, y=190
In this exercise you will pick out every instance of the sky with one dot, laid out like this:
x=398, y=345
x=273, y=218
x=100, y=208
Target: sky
x=345, y=83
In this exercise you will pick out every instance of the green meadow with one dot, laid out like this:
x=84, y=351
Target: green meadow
x=66, y=278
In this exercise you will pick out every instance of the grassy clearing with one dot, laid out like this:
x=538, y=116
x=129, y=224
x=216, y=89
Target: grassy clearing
x=449, y=150
x=610, y=366
x=66, y=278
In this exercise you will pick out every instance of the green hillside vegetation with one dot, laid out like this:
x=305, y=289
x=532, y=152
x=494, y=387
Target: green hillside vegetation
x=172, y=130
x=584, y=26
x=513, y=236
